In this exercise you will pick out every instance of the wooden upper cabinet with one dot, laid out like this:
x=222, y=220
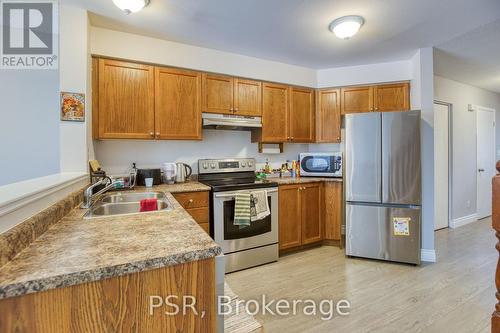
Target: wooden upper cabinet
x=126, y=100
x=310, y=196
x=357, y=99
x=217, y=93
x=392, y=97
x=177, y=104
x=247, y=97
x=275, y=104
x=290, y=224
x=328, y=118
x=301, y=115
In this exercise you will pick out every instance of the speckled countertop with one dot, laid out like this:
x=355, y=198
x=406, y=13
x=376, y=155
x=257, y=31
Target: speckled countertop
x=190, y=186
x=77, y=250
x=303, y=180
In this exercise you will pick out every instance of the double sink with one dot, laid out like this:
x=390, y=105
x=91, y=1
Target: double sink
x=114, y=204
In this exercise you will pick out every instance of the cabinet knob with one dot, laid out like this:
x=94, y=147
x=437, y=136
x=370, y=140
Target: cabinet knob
x=376, y=109
x=236, y=109
x=151, y=133
x=158, y=134
x=191, y=201
x=292, y=138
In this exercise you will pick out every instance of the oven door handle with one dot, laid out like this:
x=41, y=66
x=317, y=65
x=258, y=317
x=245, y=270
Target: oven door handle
x=233, y=194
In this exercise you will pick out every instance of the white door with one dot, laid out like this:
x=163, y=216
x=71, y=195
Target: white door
x=441, y=165
x=485, y=159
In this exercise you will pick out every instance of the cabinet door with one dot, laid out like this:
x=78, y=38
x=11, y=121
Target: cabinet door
x=333, y=210
x=301, y=115
x=247, y=97
x=356, y=99
x=126, y=100
x=217, y=93
x=310, y=204
x=328, y=120
x=290, y=228
x=177, y=104
x=275, y=103
x=392, y=97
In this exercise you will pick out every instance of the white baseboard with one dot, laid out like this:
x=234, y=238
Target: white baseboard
x=461, y=221
x=428, y=255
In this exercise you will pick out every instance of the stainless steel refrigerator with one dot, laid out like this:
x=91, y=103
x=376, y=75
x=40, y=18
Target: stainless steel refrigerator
x=383, y=186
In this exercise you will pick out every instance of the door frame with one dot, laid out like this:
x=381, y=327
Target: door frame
x=477, y=109
x=450, y=158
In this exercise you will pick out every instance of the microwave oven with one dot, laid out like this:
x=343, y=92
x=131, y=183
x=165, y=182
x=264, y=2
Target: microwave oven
x=321, y=164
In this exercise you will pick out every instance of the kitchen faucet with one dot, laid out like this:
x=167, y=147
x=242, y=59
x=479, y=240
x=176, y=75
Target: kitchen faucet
x=88, y=197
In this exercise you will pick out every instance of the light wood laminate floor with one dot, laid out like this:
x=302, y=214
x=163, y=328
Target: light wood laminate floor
x=456, y=294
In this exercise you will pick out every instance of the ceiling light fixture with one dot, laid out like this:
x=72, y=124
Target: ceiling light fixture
x=347, y=26
x=131, y=6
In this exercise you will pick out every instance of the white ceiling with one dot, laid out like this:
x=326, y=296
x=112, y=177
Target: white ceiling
x=296, y=31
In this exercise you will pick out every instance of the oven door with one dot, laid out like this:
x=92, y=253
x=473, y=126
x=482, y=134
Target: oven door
x=231, y=237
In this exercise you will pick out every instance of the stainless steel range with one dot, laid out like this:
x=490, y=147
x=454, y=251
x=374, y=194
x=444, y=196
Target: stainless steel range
x=243, y=247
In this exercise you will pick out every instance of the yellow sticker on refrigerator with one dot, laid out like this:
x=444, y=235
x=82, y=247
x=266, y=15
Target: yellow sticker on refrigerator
x=401, y=226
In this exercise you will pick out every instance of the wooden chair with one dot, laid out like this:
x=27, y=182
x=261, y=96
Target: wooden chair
x=495, y=317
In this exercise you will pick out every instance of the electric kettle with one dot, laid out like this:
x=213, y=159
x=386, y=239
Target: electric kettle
x=183, y=171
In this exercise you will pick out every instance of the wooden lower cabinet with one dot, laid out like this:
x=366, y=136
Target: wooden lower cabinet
x=300, y=221
x=197, y=205
x=333, y=210
x=290, y=221
x=118, y=304
x=310, y=205
x=309, y=214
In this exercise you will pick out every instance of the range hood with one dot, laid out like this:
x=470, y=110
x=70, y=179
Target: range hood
x=230, y=122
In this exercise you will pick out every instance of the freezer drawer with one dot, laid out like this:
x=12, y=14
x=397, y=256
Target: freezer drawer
x=381, y=232
x=363, y=175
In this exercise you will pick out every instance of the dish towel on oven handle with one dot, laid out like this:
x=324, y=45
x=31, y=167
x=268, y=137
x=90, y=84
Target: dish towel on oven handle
x=242, y=209
x=259, y=206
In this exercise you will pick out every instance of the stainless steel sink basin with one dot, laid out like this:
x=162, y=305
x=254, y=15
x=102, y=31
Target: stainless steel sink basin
x=125, y=204
x=131, y=197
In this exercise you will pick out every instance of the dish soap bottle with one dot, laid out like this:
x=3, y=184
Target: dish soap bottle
x=267, y=168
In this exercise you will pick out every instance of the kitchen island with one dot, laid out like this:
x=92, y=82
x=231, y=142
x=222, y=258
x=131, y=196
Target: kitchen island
x=101, y=274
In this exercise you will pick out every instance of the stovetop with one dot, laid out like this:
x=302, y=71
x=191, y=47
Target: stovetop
x=234, y=181
x=230, y=174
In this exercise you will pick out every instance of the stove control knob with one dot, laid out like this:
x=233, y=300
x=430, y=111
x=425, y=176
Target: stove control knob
x=212, y=165
x=205, y=165
x=243, y=164
x=250, y=164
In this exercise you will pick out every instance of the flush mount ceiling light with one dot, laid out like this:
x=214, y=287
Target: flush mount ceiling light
x=347, y=26
x=131, y=6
